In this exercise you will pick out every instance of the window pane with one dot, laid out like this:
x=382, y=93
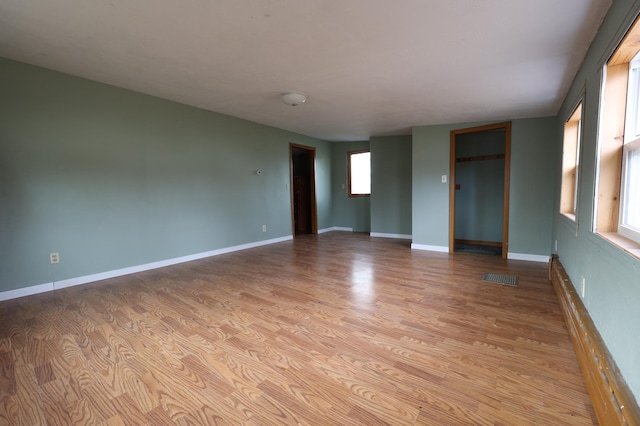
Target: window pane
x=635, y=108
x=571, y=163
x=577, y=178
x=361, y=173
x=631, y=198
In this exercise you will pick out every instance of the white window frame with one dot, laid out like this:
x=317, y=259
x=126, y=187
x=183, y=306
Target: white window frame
x=630, y=186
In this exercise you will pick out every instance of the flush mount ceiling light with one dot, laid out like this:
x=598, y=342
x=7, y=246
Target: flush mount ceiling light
x=293, y=98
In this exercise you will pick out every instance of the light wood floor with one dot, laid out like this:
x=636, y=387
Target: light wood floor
x=336, y=329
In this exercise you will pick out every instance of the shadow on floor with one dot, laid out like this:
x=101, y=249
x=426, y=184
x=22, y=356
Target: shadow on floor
x=477, y=249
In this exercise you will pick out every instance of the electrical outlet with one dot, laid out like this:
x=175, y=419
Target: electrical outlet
x=342, y=186
x=54, y=258
x=444, y=178
x=264, y=228
x=584, y=286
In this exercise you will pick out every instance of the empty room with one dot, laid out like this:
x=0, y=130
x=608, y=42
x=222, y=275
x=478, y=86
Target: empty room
x=318, y=212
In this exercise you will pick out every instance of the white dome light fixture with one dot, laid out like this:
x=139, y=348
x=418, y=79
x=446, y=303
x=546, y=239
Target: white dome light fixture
x=293, y=98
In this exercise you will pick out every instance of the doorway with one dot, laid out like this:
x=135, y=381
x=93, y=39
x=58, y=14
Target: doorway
x=304, y=212
x=480, y=159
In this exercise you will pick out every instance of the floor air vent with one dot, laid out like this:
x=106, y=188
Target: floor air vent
x=510, y=280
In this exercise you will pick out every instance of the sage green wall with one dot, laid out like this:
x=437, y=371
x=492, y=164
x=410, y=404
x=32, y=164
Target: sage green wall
x=111, y=178
x=347, y=212
x=391, y=185
x=531, y=184
x=430, y=197
x=612, y=277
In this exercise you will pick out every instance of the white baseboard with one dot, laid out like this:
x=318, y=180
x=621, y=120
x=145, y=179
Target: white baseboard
x=342, y=228
x=26, y=291
x=385, y=235
x=528, y=257
x=42, y=288
x=442, y=249
x=334, y=228
x=512, y=256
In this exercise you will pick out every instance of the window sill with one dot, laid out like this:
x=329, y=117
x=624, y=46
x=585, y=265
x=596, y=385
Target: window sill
x=627, y=245
x=570, y=216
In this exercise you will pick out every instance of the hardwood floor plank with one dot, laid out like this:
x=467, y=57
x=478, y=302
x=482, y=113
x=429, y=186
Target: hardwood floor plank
x=27, y=396
x=362, y=416
x=128, y=411
x=9, y=410
x=93, y=391
x=158, y=416
x=336, y=329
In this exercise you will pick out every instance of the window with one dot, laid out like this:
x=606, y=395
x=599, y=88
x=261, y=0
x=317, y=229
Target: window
x=618, y=193
x=629, y=224
x=571, y=163
x=359, y=173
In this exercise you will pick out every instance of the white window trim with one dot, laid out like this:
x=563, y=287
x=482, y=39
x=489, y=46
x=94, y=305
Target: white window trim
x=632, y=119
x=576, y=190
x=624, y=229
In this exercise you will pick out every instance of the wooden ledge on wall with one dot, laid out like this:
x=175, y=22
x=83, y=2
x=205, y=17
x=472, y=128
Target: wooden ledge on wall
x=612, y=399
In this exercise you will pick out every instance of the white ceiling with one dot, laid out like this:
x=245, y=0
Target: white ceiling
x=368, y=67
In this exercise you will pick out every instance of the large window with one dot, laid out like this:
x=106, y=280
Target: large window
x=571, y=163
x=618, y=195
x=359, y=171
x=629, y=224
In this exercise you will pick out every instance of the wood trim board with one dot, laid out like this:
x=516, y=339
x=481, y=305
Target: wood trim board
x=612, y=399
